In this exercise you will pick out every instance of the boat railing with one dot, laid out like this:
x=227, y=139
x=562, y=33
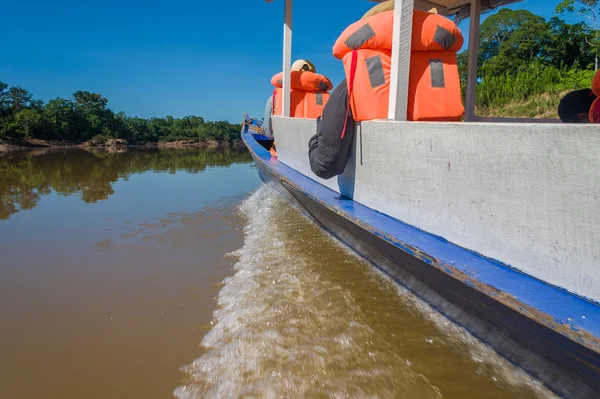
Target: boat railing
x=514, y=120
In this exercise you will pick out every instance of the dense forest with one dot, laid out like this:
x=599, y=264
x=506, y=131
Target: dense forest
x=526, y=63
x=86, y=117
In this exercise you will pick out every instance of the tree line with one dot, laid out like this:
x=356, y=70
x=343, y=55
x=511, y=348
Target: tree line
x=86, y=117
x=529, y=61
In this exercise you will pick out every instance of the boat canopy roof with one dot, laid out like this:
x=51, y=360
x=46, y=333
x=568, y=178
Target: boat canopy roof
x=458, y=8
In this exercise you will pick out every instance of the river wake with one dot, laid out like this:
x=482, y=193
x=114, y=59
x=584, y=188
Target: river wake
x=304, y=317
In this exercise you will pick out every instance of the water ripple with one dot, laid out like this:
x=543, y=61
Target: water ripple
x=304, y=317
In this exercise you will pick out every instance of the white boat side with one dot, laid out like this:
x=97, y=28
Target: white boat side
x=525, y=194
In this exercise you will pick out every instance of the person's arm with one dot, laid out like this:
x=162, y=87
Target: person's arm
x=327, y=151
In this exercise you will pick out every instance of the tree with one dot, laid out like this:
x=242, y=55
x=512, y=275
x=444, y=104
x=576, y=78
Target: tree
x=93, y=109
x=90, y=102
x=463, y=71
x=63, y=121
x=28, y=122
x=590, y=10
x=569, y=44
x=3, y=98
x=38, y=105
x=138, y=130
x=18, y=98
x=512, y=39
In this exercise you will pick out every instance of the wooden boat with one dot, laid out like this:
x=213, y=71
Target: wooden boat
x=495, y=223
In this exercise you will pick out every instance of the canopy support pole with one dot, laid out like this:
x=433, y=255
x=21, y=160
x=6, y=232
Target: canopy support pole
x=400, y=69
x=471, y=94
x=287, y=56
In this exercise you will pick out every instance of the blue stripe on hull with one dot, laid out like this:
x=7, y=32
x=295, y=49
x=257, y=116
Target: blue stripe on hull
x=534, y=325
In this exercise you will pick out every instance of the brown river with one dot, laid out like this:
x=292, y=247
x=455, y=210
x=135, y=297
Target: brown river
x=177, y=273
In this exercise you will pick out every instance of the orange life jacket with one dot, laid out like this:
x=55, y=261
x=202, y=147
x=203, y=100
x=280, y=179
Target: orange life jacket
x=594, y=113
x=434, y=92
x=308, y=94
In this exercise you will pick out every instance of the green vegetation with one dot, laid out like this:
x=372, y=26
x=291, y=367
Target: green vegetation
x=526, y=63
x=87, y=116
x=533, y=91
x=589, y=10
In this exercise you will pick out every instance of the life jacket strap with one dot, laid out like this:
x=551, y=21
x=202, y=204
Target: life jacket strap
x=350, y=88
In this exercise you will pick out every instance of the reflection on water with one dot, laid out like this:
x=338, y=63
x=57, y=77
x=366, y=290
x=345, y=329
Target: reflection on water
x=27, y=176
x=304, y=317
x=108, y=280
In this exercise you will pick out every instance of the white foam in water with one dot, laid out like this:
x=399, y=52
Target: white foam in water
x=281, y=329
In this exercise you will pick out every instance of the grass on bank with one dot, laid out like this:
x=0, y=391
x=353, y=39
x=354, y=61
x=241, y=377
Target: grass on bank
x=532, y=93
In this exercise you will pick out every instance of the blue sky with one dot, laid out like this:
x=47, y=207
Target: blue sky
x=149, y=58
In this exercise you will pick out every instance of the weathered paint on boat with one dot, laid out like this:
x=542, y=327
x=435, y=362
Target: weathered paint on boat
x=550, y=333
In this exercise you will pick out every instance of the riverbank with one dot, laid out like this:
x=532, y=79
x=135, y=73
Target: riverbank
x=24, y=144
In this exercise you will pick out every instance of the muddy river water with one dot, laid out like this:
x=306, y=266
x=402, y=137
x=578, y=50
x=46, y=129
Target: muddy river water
x=177, y=273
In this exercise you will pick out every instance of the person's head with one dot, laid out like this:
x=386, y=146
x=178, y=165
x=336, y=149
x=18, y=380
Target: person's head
x=303, y=65
x=387, y=6
x=381, y=7
x=575, y=106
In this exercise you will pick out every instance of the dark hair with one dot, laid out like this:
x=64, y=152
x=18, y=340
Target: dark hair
x=574, y=104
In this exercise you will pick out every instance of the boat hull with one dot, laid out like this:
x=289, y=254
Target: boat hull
x=521, y=334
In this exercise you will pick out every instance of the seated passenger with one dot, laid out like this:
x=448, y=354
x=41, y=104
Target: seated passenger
x=576, y=107
x=365, y=47
x=308, y=95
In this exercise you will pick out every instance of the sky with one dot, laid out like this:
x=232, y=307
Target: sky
x=150, y=58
